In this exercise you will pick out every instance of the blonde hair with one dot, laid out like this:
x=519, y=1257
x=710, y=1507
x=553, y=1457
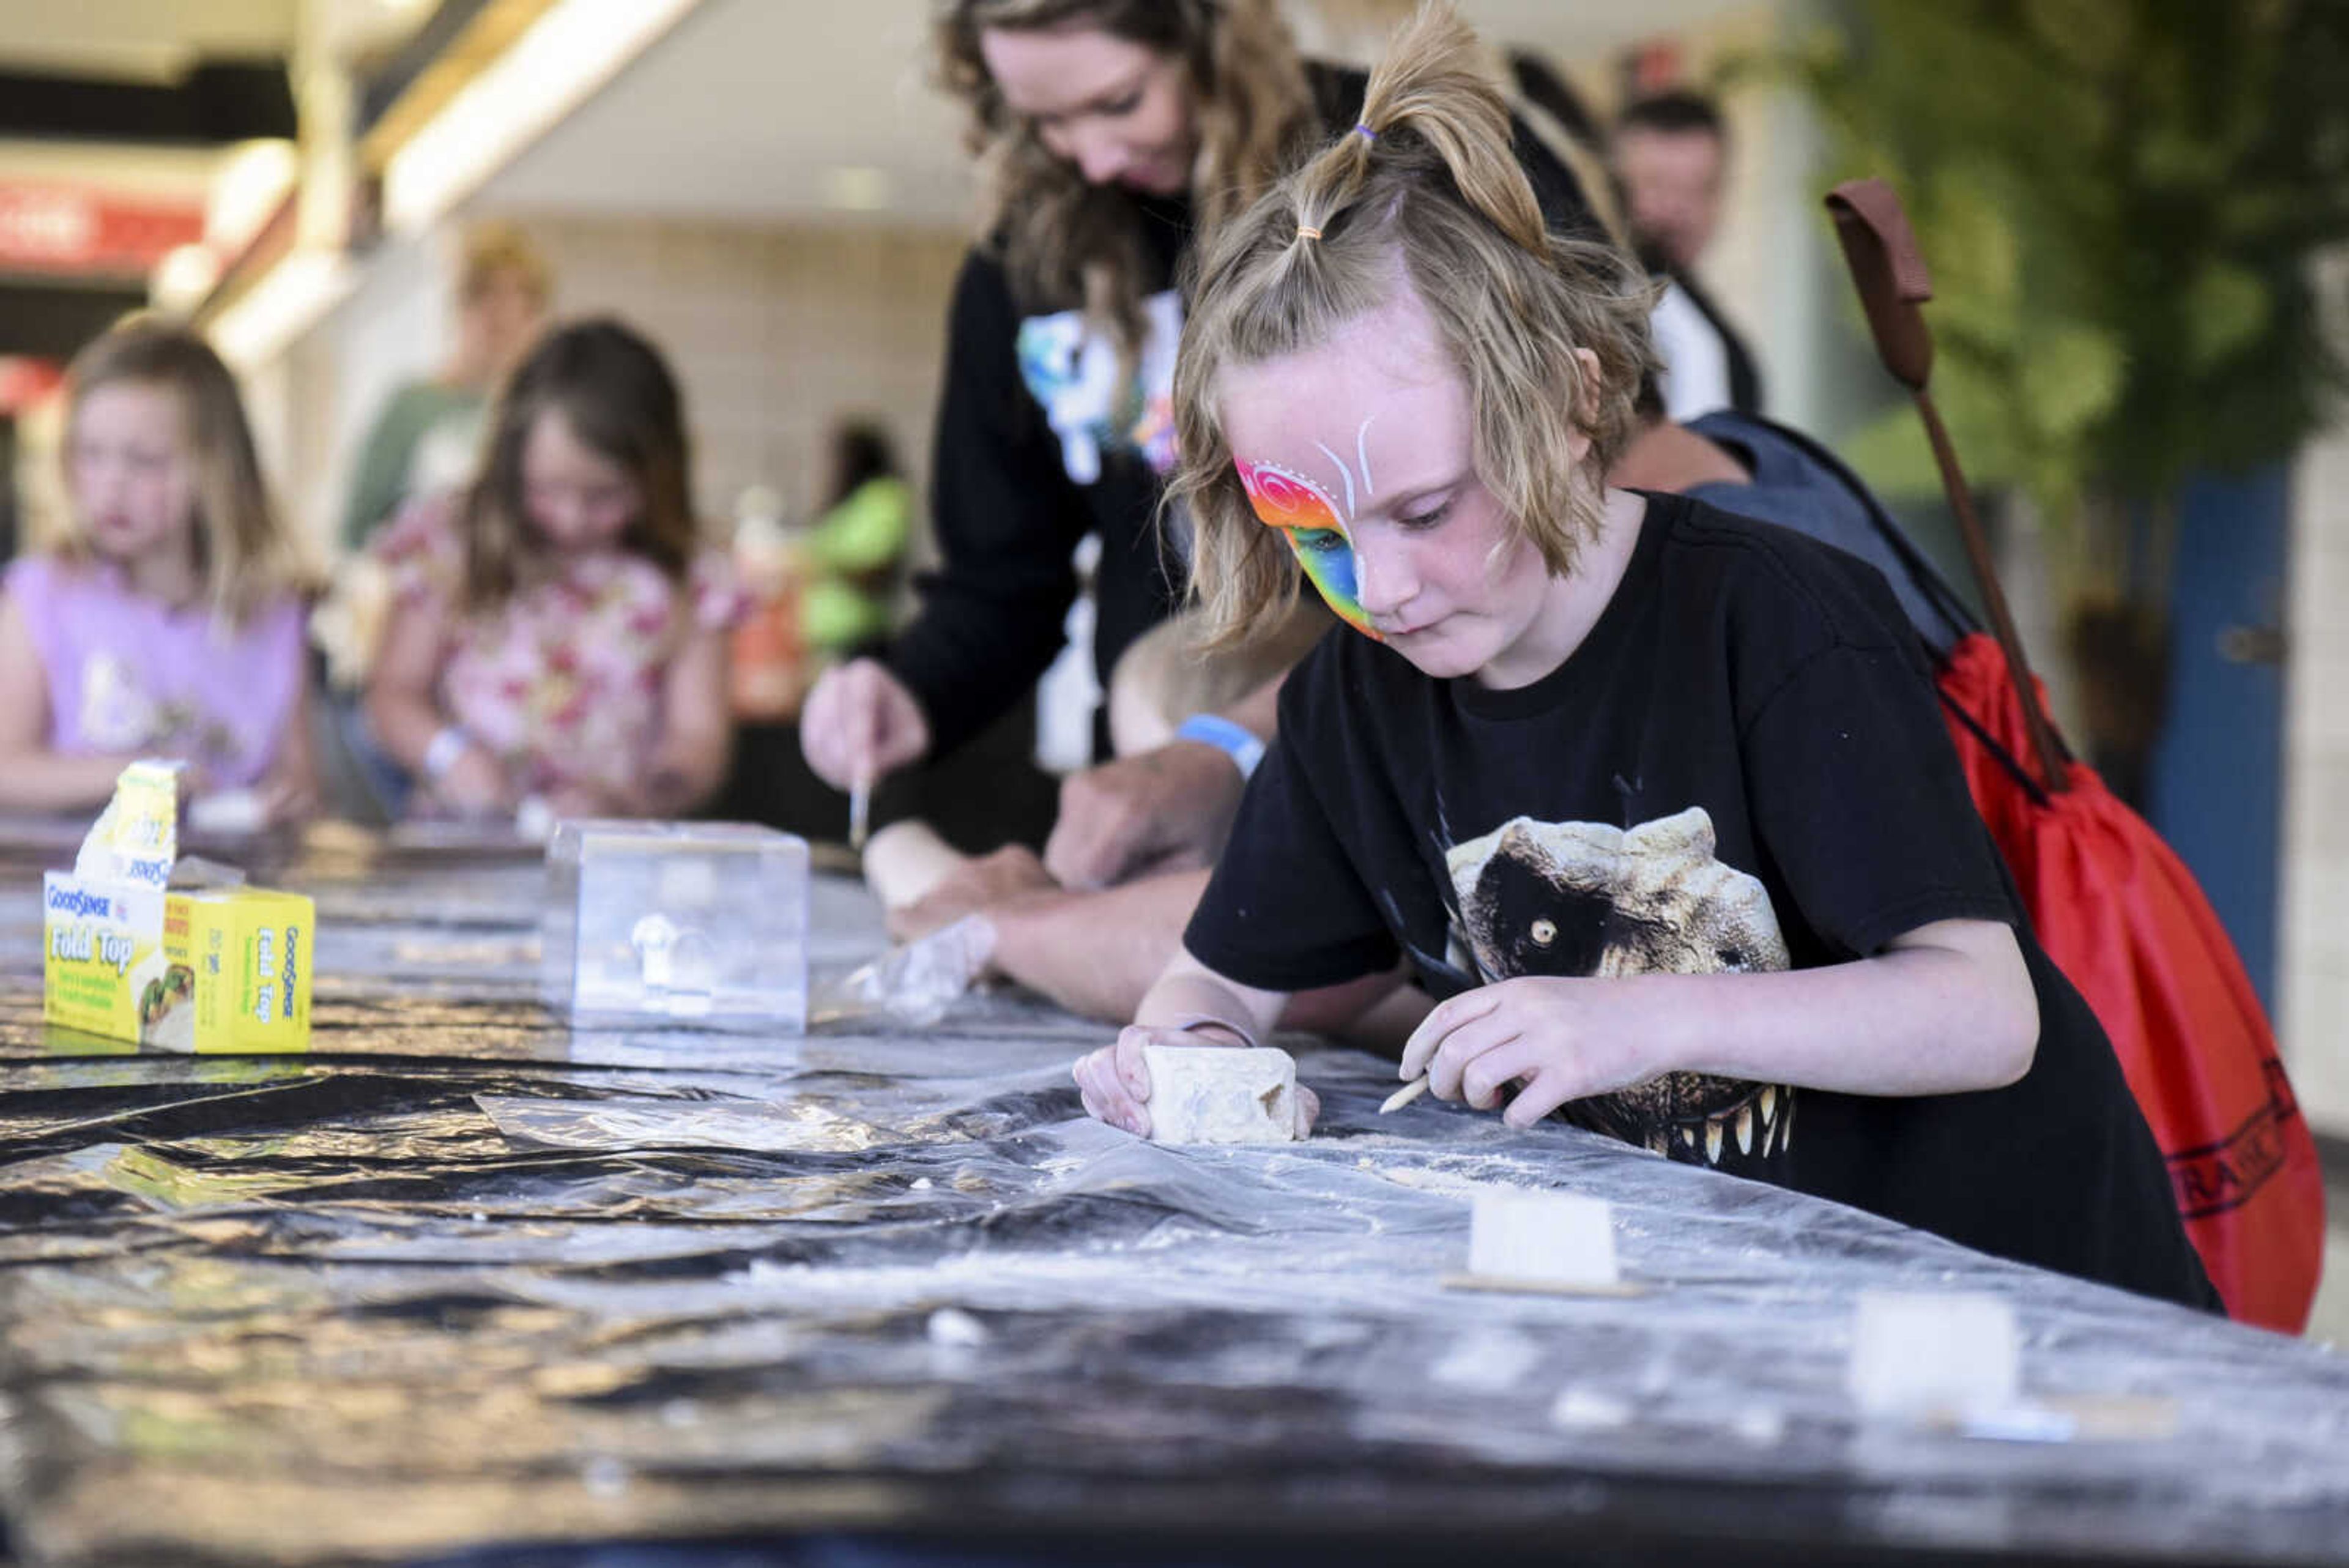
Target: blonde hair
x=616, y=392
x=243, y=552
x=1163, y=676
x=1424, y=194
x=1065, y=243
x=495, y=250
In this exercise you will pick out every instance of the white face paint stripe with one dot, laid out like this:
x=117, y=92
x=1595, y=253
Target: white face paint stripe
x=1362, y=460
x=1343, y=473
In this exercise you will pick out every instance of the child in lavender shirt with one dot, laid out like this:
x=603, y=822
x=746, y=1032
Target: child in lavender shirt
x=170, y=623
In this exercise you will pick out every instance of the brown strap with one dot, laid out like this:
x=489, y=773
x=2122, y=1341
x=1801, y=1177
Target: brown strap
x=1890, y=277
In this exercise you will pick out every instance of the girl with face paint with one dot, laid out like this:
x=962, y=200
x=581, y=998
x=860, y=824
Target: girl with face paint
x=1656, y=802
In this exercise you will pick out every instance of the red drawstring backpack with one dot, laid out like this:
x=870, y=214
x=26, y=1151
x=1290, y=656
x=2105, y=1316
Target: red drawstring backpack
x=2115, y=908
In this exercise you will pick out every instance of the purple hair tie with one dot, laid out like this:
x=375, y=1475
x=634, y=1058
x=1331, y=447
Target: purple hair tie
x=1364, y=131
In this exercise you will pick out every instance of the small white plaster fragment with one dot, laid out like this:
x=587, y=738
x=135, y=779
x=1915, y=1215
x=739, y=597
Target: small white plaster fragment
x=1551, y=1238
x=956, y=1328
x=1920, y=1356
x=1487, y=1362
x=1588, y=1410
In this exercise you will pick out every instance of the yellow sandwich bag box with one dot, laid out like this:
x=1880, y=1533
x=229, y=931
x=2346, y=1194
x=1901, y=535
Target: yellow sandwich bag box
x=139, y=945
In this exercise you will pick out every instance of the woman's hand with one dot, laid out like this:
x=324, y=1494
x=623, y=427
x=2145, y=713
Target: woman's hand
x=860, y=722
x=1163, y=810
x=1560, y=1039
x=1115, y=1082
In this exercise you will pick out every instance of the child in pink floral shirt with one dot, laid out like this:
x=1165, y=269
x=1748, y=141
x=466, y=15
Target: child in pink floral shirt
x=558, y=632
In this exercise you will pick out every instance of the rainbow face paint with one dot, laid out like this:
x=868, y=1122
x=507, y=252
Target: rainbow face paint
x=1324, y=546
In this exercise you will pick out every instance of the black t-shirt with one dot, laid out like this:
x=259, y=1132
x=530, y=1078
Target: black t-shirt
x=1743, y=767
x=1040, y=441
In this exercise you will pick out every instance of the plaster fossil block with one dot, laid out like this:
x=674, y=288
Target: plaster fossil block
x=1214, y=1093
x=1541, y=1238
x=1920, y=1355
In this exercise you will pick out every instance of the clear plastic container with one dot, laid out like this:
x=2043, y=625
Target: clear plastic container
x=701, y=923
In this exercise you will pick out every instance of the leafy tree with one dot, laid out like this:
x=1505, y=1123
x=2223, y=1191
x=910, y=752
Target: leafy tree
x=2119, y=201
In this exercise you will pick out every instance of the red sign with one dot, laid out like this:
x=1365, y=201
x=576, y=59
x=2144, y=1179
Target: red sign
x=66, y=229
x=24, y=382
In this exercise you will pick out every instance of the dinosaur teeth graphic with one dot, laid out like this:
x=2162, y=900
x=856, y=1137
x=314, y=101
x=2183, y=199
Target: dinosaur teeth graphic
x=1770, y=1108
x=1582, y=899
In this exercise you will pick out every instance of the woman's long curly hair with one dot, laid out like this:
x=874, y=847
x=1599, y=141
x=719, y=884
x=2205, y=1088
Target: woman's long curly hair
x=1067, y=244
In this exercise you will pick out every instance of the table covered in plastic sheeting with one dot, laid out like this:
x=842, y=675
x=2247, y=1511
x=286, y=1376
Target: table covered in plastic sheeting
x=462, y=1285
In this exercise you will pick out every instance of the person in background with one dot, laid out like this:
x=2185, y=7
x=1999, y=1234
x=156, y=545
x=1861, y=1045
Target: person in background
x=170, y=623
x=855, y=550
x=559, y=633
x=8, y=506
x=423, y=441
x=1672, y=154
x=1115, y=130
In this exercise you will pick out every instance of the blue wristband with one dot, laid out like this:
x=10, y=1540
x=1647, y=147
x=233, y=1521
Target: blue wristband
x=1233, y=739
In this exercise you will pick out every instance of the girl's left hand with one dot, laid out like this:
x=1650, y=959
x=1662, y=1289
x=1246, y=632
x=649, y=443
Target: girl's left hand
x=1115, y=1081
x=1560, y=1039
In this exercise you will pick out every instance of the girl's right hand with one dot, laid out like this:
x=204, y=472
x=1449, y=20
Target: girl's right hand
x=1116, y=1083
x=860, y=722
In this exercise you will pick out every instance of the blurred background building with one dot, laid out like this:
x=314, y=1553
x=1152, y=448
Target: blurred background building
x=773, y=192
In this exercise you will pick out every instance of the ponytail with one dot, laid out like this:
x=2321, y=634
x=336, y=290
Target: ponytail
x=1425, y=190
x=1433, y=88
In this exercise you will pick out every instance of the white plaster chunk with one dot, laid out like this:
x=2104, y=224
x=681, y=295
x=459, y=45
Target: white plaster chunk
x=956, y=1328
x=1487, y=1361
x=1917, y=1355
x=1548, y=1238
x=1581, y=1408
x=1213, y=1094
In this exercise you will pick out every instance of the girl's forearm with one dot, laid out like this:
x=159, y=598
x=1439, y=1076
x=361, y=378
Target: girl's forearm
x=57, y=781
x=404, y=726
x=1189, y=995
x=1950, y=1010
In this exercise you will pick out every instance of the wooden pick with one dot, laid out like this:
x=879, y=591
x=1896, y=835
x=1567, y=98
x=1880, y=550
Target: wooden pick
x=1406, y=1095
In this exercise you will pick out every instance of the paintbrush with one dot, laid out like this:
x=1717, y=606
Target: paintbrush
x=860, y=812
